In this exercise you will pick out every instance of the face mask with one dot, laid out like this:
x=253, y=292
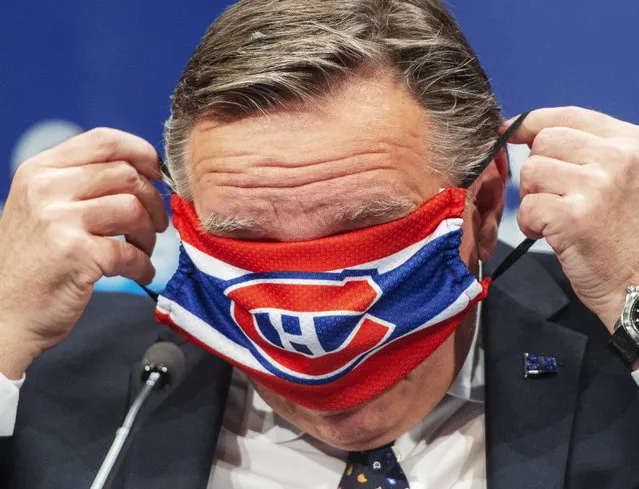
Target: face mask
x=328, y=323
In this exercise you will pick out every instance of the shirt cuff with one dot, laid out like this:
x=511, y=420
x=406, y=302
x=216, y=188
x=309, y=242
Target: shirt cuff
x=9, y=396
x=635, y=376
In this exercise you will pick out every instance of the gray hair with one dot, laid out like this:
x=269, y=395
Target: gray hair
x=264, y=54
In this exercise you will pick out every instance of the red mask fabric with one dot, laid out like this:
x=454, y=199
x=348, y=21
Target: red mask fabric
x=328, y=323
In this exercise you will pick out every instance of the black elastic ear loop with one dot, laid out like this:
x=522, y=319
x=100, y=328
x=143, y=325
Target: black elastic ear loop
x=154, y=295
x=498, y=146
x=526, y=244
x=512, y=257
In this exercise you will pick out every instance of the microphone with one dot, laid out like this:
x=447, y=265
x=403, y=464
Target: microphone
x=163, y=368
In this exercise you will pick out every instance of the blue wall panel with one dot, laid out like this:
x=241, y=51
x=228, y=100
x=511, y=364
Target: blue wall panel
x=69, y=65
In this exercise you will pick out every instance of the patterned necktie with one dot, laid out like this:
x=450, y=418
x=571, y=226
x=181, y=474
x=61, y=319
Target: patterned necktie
x=373, y=469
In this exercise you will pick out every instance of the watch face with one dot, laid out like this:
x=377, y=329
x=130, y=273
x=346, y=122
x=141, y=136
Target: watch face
x=634, y=314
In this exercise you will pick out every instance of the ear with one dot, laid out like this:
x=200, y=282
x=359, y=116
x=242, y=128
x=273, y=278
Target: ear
x=490, y=193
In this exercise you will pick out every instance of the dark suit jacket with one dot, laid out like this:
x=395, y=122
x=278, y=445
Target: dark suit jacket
x=577, y=430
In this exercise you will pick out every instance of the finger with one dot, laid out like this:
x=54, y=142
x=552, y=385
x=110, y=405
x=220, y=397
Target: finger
x=570, y=145
x=540, y=174
x=120, y=214
x=98, y=180
x=537, y=212
x=103, y=179
x=116, y=257
x=104, y=145
x=589, y=121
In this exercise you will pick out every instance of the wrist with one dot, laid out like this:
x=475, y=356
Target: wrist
x=625, y=334
x=16, y=356
x=611, y=314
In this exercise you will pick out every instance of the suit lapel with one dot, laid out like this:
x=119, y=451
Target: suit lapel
x=176, y=442
x=528, y=421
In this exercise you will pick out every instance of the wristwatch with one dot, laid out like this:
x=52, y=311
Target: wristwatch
x=625, y=340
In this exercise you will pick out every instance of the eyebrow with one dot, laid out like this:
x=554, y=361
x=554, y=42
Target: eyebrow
x=377, y=209
x=216, y=223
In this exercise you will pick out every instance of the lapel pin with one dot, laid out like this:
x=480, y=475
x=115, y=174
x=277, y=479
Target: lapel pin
x=539, y=366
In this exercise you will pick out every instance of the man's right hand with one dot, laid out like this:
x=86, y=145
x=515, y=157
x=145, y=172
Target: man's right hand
x=54, y=244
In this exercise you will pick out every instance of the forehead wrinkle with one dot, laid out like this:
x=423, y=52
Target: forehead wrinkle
x=251, y=152
x=292, y=143
x=256, y=183
x=247, y=170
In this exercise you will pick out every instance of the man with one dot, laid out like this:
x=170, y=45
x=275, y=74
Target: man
x=296, y=125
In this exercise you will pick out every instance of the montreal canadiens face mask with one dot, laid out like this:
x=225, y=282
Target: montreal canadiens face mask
x=328, y=323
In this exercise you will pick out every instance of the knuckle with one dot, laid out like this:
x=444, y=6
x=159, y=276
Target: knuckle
x=524, y=223
x=568, y=116
x=621, y=158
x=124, y=257
x=129, y=255
x=629, y=145
x=531, y=172
x=579, y=211
x=116, y=257
x=37, y=187
x=543, y=141
x=24, y=170
x=27, y=180
x=525, y=210
x=149, y=150
x=50, y=214
x=133, y=208
x=71, y=244
x=104, y=140
x=142, y=187
x=598, y=177
x=110, y=258
x=529, y=169
x=629, y=161
x=618, y=152
x=127, y=174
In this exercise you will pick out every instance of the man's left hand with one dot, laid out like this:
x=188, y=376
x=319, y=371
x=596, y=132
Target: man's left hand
x=580, y=191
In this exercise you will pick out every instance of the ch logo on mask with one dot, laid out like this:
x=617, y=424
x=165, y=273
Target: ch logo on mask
x=310, y=329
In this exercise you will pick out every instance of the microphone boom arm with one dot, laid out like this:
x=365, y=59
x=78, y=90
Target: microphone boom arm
x=106, y=470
